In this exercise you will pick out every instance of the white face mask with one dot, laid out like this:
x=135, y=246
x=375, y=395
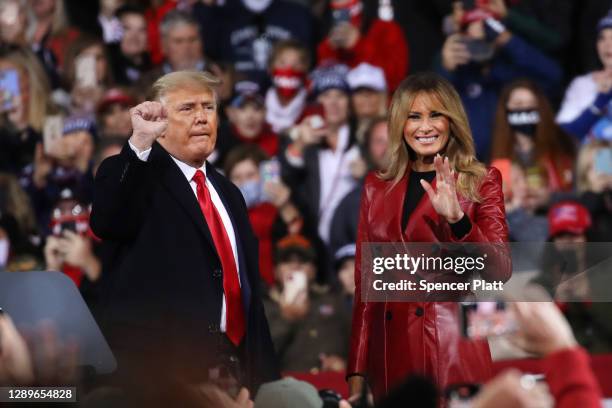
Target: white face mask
x=256, y=6
x=4, y=251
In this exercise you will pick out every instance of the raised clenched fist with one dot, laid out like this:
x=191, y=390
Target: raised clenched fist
x=149, y=121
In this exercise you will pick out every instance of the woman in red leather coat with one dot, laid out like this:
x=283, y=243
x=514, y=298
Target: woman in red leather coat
x=434, y=190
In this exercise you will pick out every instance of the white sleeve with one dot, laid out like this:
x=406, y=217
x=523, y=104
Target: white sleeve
x=580, y=94
x=144, y=155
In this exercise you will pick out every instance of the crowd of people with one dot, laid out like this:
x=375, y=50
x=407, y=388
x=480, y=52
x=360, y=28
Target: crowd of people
x=302, y=104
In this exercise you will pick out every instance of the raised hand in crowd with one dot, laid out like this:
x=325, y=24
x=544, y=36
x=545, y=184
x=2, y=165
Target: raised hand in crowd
x=542, y=328
x=497, y=7
x=73, y=249
x=511, y=389
x=332, y=362
x=149, y=121
x=277, y=192
x=294, y=308
x=15, y=361
x=454, y=52
x=603, y=79
x=212, y=396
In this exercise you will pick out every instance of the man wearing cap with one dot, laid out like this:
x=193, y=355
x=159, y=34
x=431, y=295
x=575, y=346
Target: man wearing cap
x=577, y=273
x=310, y=323
x=185, y=294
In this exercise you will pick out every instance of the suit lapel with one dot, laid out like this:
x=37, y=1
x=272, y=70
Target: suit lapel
x=175, y=182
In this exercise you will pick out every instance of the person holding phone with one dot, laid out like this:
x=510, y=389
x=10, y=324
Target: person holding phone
x=594, y=184
x=356, y=37
x=434, y=190
x=309, y=322
x=268, y=199
x=535, y=156
x=483, y=55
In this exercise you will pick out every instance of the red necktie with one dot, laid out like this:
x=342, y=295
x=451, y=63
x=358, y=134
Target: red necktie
x=235, y=326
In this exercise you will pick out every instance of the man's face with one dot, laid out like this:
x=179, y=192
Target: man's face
x=182, y=47
x=192, y=124
x=134, y=40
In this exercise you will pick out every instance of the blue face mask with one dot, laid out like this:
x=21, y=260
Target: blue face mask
x=252, y=192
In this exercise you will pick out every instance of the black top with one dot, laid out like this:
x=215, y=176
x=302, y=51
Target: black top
x=415, y=192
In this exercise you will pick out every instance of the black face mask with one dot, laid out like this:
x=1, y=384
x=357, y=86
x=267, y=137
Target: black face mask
x=524, y=121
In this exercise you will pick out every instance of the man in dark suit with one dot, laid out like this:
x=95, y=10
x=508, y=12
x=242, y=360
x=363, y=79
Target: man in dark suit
x=183, y=284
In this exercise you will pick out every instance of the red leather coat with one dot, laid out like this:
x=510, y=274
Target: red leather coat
x=391, y=340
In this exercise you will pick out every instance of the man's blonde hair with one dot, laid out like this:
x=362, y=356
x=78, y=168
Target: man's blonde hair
x=185, y=79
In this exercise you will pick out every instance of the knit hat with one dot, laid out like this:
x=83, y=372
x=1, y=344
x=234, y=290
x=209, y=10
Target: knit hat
x=247, y=91
x=605, y=22
x=288, y=393
x=329, y=77
x=78, y=123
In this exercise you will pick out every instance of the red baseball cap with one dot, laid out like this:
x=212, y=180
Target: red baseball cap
x=568, y=216
x=115, y=95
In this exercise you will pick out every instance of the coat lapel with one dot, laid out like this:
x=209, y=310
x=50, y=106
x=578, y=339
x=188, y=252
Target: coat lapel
x=175, y=182
x=423, y=221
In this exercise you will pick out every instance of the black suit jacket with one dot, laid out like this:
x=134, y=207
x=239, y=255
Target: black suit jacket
x=165, y=283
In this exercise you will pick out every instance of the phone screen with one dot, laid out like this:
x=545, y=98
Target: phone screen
x=9, y=87
x=603, y=161
x=294, y=285
x=342, y=15
x=86, y=71
x=486, y=319
x=270, y=171
x=52, y=132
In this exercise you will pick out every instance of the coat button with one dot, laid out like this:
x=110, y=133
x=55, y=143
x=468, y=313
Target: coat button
x=419, y=311
x=217, y=273
x=388, y=315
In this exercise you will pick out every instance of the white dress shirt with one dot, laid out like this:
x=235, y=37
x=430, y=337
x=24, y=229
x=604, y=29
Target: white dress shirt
x=189, y=172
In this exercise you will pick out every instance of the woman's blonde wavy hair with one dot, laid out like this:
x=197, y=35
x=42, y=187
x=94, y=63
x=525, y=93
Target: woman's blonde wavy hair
x=460, y=148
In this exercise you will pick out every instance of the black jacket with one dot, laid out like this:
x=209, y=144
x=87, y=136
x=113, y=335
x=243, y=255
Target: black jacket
x=165, y=285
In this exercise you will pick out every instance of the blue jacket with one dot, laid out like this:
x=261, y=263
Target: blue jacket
x=479, y=85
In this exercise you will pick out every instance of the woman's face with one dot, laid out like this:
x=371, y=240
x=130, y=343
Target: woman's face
x=604, y=47
x=522, y=99
x=244, y=172
x=134, y=40
x=336, y=105
x=426, y=130
x=377, y=146
x=101, y=64
x=43, y=8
